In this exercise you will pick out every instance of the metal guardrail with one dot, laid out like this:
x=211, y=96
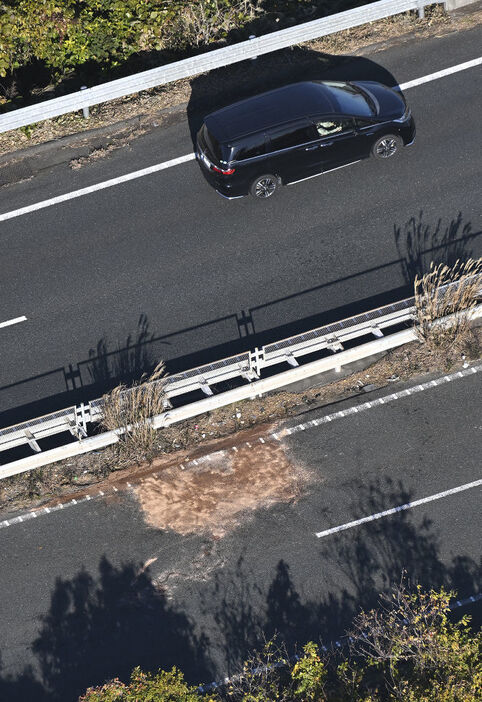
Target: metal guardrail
x=258, y=388
x=247, y=366
x=209, y=60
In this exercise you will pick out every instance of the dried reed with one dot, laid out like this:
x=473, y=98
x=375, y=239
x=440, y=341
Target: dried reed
x=131, y=409
x=447, y=291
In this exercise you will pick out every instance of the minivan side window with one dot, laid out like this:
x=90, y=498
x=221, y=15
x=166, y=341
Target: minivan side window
x=329, y=126
x=362, y=123
x=292, y=136
x=249, y=147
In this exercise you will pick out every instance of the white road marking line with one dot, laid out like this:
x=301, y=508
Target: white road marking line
x=9, y=322
x=400, y=508
x=97, y=186
x=190, y=157
x=441, y=74
x=382, y=400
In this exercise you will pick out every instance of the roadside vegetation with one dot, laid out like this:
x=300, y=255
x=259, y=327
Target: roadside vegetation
x=452, y=292
x=406, y=650
x=131, y=408
x=51, y=48
x=48, y=41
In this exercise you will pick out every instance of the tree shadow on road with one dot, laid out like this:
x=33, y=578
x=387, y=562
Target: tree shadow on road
x=100, y=628
x=352, y=568
x=419, y=243
x=126, y=364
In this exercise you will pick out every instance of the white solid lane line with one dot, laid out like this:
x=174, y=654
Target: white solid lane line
x=9, y=322
x=190, y=157
x=97, y=186
x=441, y=74
x=400, y=508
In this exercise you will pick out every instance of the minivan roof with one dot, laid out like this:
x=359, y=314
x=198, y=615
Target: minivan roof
x=269, y=109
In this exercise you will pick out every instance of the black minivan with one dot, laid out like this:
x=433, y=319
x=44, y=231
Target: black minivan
x=300, y=131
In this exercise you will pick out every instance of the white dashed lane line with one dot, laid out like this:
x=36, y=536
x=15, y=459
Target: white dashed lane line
x=381, y=401
x=190, y=157
x=10, y=322
x=97, y=186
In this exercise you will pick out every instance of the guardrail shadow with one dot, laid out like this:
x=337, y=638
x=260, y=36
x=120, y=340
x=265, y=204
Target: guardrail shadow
x=222, y=86
x=417, y=242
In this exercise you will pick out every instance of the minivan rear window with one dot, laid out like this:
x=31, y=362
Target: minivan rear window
x=216, y=149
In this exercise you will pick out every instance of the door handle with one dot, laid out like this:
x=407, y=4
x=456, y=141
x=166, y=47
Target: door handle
x=327, y=143
x=311, y=148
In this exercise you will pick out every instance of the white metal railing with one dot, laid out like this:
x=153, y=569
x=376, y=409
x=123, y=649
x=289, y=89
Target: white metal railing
x=247, y=367
x=208, y=61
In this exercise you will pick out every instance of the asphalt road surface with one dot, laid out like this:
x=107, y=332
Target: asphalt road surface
x=93, y=589
x=162, y=267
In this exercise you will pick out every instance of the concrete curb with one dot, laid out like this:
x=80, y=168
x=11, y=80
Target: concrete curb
x=25, y=163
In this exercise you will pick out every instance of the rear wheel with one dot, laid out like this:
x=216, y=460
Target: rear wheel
x=386, y=146
x=263, y=187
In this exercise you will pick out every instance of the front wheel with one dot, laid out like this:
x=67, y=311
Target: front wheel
x=386, y=146
x=263, y=187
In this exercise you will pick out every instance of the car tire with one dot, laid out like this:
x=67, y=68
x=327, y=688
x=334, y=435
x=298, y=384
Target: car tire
x=386, y=146
x=264, y=187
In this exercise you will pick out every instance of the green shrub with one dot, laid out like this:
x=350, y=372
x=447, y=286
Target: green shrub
x=145, y=687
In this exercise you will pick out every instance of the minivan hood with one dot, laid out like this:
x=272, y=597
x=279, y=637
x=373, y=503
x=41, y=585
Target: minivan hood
x=390, y=103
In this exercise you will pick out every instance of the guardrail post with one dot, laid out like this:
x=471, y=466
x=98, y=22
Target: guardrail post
x=32, y=442
x=85, y=110
x=205, y=387
x=81, y=417
x=77, y=430
x=421, y=9
x=253, y=36
x=292, y=360
x=255, y=363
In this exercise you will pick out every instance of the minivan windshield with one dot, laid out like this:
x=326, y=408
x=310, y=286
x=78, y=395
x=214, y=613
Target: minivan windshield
x=350, y=100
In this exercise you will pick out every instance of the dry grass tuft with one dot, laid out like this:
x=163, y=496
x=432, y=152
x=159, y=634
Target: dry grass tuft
x=447, y=291
x=131, y=409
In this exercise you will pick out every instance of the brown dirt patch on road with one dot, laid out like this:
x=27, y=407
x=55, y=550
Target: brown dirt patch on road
x=224, y=488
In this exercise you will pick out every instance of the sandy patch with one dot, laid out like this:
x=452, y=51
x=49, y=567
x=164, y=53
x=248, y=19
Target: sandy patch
x=215, y=495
